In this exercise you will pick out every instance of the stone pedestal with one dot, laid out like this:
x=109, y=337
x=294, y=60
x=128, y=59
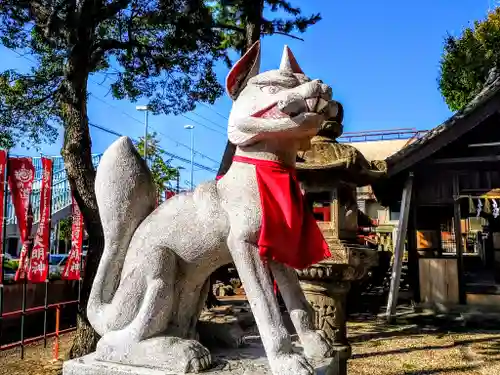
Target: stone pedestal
x=328, y=302
x=250, y=360
x=325, y=286
x=327, y=297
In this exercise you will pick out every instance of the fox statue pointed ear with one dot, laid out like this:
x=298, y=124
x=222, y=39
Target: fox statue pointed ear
x=289, y=63
x=246, y=67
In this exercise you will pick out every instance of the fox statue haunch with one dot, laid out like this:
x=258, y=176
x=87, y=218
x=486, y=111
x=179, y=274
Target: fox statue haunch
x=153, y=277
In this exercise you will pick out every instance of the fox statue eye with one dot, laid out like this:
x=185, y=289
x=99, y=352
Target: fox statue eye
x=270, y=89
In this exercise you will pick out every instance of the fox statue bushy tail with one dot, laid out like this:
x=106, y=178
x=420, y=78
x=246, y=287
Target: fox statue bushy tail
x=123, y=204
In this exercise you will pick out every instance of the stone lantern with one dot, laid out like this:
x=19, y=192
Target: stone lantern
x=329, y=173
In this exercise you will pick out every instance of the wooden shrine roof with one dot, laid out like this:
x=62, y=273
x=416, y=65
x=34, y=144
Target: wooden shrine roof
x=480, y=108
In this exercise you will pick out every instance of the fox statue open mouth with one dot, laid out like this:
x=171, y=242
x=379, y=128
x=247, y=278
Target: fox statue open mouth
x=153, y=276
x=283, y=101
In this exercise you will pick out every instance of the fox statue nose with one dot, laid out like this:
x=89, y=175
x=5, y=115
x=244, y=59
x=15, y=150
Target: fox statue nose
x=323, y=90
x=327, y=91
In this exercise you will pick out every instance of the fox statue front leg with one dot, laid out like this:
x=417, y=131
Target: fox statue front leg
x=254, y=275
x=315, y=343
x=259, y=290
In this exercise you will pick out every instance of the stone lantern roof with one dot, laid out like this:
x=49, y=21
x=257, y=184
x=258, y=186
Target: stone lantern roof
x=327, y=159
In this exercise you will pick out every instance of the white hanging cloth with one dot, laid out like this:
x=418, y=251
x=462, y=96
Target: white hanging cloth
x=479, y=208
x=495, y=211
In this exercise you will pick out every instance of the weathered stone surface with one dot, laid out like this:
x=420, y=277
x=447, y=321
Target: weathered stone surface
x=326, y=156
x=328, y=302
x=250, y=360
x=220, y=328
x=152, y=281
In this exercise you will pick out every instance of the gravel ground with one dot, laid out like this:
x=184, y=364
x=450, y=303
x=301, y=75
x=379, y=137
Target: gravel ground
x=378, y=349
x=37, y=359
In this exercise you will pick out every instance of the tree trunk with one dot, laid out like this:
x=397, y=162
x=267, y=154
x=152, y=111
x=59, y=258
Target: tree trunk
x=253, y=33
x=77, y=157
x=227, y=159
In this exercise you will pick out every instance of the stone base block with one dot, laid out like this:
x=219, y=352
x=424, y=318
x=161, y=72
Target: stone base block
x=248, y=363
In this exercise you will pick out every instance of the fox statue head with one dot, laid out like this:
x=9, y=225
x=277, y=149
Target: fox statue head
x=276, y=103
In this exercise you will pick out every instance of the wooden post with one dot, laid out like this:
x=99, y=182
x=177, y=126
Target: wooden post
x=458, y=239
x=392, y=301
x=56, y=341
x=413, y=257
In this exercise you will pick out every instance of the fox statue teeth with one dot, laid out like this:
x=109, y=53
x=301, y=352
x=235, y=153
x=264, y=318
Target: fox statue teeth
x=293, y=105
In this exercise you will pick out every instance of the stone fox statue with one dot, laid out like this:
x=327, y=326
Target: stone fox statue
x=152, y=280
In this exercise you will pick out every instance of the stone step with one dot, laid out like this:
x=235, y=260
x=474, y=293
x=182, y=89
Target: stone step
x=250, y=360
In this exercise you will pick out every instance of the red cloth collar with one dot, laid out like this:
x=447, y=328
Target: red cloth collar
x=289, y=233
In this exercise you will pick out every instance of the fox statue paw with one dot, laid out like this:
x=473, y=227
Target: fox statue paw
x=291, y=363
x=170, y=354
x=316, y=344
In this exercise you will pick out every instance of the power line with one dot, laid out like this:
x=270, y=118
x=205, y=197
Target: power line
x=132, y=117
x=194, y=113
x=102, y=85
x=174, y=156
x=205, y=126
x=206, y=119
x=183, y=115
x=159, y=132
x=213, y=110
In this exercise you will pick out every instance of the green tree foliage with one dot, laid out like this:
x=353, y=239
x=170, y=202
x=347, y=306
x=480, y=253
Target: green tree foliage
x=65, y=227
x=468, y=59
x=163, y=50
x=242, y=22
x=148, y=47
x=163, y=173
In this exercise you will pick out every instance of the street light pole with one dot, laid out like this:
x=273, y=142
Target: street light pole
x=191, y=129
x=145, y=109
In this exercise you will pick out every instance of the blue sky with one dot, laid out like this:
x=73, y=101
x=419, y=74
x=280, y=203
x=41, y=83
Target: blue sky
x=381, y=58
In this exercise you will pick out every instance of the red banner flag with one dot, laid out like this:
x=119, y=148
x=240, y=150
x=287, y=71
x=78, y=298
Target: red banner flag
x=37, y=272
x=169, y=194
x=3, y=165
x=21, y=175
x=72, y=267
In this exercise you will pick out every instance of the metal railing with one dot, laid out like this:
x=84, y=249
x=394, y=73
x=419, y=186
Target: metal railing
x=381, y=135
x=61, y=192
x=26, y=338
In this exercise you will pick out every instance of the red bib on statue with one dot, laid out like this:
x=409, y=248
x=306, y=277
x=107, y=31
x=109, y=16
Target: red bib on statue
x=289, y=233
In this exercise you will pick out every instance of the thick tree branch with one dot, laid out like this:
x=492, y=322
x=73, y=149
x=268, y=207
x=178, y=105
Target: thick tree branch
x=112, y=9
x=241, y=30
x=110, y=44
x=281, y=33
x=105, y=45
x=229, y=27
x=285, y=5
x=53, y=22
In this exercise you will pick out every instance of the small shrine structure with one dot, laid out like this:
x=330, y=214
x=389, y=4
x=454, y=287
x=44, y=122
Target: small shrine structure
x=447, y=185
x=329, y=173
